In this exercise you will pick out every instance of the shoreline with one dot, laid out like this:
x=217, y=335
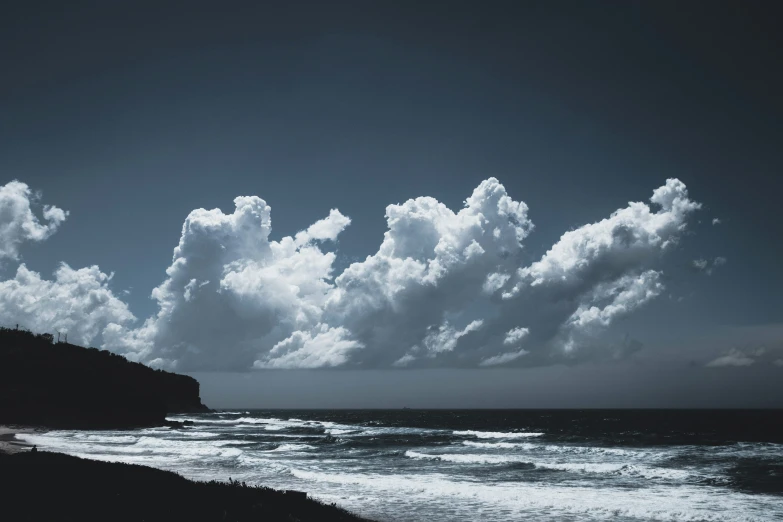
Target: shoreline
x=86, y=489
x=9, y=444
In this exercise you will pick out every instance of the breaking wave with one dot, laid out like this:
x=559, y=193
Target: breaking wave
x=497, y=435
x=394, y=467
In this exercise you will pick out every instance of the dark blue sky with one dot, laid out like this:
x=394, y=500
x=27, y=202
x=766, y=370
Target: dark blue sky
x=132, y=114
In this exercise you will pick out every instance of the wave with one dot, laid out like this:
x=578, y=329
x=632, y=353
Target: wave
x=201, y=420
x=189, y=449
x=647, y=472
x=498, y=445
x=468, y=458
x=105, y=438
x=293, y=447
x=569, y=450
x=444, y=474
x=628, y=470
x=297, y=425
x=337, y=431
x=152, y=447
x=196, y=434
x=254, y=420
x=619, y=469
x=497, y=434
x=596, y=450
x=256, y=462
x=457, y=499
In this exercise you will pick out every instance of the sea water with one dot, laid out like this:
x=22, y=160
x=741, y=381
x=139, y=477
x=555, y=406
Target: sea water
x=437, y=465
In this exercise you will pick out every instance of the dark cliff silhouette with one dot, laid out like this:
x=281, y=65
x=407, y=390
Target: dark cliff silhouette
x=67, y=386
x=47, y=486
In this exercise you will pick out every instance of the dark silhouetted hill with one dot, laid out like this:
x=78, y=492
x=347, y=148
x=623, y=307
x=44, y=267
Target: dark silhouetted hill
x=68, y=386
x=46, y=486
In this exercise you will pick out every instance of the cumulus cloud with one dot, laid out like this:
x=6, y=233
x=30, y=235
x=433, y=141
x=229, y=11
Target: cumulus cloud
x=444, y=288
x=437, y=269
x=445, y=338
x=608, y=249
x=515, y=335
x=232, y=293
x=625, y=294
x=77, y=302
x=716, y=221
x=326, y=347
x=18, y=223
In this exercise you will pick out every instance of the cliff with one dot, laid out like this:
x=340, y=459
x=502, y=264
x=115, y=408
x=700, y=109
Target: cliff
x=67, y=386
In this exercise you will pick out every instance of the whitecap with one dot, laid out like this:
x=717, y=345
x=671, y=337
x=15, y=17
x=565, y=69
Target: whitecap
x=457, y=499
x=464, y=458
x=497, y=434
x=293, y=447
x=498, y=445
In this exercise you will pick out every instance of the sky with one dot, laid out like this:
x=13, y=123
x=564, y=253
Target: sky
x=387, y=204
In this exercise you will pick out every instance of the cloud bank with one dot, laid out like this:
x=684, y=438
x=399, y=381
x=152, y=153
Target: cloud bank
x=444, y=288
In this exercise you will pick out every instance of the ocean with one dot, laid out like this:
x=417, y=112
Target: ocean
x=488, y=465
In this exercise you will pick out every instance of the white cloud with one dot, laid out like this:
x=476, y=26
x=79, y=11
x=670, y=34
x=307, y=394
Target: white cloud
x=625, y=295
x=232, y=293
x=445, y=338
x=404, y=361
x=324, y=229
x=716, y=221
x=495, y=282
x=328, y=347
x=606, y=250
x=515, y=335
x=444, y=288
x=19, y=224
x=432, y=265
x=76, y=302
x=426, y=276
x=503, y=358
x=734, y=357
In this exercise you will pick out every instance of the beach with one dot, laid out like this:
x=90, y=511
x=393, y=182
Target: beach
x=45, y=485
x=8, y=441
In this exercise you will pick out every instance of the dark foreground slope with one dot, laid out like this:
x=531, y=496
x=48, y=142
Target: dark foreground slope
x=46, y=486
x=67, y=386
